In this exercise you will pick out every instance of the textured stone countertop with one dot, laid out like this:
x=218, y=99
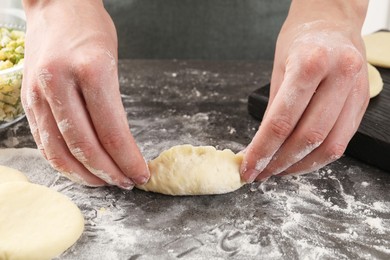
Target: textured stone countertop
x=339, y=212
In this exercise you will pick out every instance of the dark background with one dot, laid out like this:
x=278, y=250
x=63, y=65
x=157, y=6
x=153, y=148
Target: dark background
x=197, y=29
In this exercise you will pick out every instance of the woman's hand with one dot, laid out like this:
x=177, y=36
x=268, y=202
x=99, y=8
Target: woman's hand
x=319, y=90
x=71, y=94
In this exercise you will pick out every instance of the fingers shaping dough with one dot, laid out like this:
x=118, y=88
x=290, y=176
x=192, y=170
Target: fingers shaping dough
x=378, y=49
x=10, y=175
x=189, y=170
x=36, y=222
x=375, y=81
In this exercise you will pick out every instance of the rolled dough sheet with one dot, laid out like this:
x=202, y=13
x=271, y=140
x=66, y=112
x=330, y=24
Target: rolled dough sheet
x=378, y=49
x=36, y=222
x=189, y=170
x=8, y=174
x=375, y=81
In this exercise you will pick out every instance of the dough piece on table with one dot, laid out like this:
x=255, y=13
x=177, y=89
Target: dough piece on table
x=189, y=170
x=375, y=80
x=10, y=175
x=36, y=222
x=378, y=49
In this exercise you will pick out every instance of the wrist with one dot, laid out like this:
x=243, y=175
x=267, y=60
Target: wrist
x=350, y=13
x=33, y=5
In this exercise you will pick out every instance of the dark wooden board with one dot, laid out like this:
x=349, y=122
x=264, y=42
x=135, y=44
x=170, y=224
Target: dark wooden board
x=371, y=143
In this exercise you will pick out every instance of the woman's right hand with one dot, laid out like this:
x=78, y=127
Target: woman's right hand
x=71, y=95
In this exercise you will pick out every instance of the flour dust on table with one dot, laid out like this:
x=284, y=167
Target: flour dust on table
x=322, y=215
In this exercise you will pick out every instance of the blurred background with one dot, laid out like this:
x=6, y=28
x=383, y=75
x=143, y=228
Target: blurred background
x=206, y=29
x=198, y=29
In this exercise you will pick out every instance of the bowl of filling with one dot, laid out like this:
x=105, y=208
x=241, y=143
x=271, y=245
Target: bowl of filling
x=12, y=34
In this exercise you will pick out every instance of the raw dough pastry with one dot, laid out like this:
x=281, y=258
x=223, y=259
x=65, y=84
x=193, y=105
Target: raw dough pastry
x=378, y=49
x=189, y=170
x=375, y=81
x=9, y=175
x=36, y=222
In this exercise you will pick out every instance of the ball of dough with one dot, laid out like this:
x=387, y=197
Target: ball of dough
x=36, y=222
x=375, y=81
x=10, y=175
x=377, y=49
x=189, y=170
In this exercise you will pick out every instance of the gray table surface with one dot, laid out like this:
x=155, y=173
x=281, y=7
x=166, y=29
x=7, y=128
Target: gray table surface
x=339, y=212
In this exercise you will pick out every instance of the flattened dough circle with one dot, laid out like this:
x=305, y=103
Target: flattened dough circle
x=375, y=81
x=189, y=170
x=378, y=49
x=10, y=175
x=36, y=222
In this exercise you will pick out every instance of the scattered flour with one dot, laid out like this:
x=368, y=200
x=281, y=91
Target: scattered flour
x=79, y=155
x=44, y=78
x=323, y=215
x=64, y=126
x=75, y=178
x=375, y=223
x=316, y=216
x=101, y=174
x=308, y=149
x=44, y=137
x=262, y=163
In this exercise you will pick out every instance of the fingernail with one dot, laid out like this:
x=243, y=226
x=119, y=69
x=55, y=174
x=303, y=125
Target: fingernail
x=140, y=180
x=264, y=179
x=250, y=175
x=283, y=174
x=127, y=185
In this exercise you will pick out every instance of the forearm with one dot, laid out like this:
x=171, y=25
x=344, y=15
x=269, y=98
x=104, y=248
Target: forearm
x=30, y=5
x=319, y=90
x=350, y=12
